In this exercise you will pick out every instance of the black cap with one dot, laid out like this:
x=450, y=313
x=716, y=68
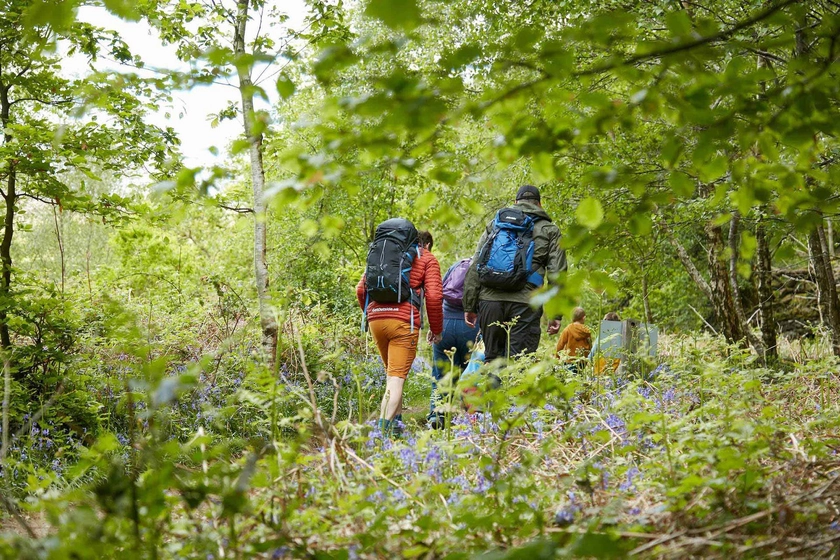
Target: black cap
x=528, y=192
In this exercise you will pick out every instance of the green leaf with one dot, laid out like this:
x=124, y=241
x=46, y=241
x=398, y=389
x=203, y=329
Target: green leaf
x=125, y=9
x=240, y=146
x=767, y=147
x=672, y=150
x=713, y=168
x=107, y=442
x=309, y=227
x=285, y=86
x=590, y=213
x=542, y=167
x=678, y=23
x=748, y=245
x=332, y=225
x=58, y=14
x=472, y=206
x=556, y=58
x=424, y=202
x=396, y=14
x=800, y=137
x=744, y=198
x=600, y=545
x=281, y=194
x=682, y=185
x=463, y=56
x=640, y=223
x=445, y=215
x=414, y=551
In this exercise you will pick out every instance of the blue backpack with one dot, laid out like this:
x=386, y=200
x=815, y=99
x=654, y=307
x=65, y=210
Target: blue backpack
x=505, y=260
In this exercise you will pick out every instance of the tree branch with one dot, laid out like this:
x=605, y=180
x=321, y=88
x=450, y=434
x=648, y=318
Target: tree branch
x=725, y=34
x=685, y=259
x=237, y=209
x=42, y=101
x=38, y=198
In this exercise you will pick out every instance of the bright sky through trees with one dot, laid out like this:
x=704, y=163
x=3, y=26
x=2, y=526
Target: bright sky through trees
x=190, y=111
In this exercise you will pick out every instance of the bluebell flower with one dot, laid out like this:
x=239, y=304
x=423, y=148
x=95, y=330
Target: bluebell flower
x=631, y=473
x=482, y=485
x=662, y=368
x=461, y=482
x=377, y=497
x=409, y=458
x=564, y=517
x=539, y=426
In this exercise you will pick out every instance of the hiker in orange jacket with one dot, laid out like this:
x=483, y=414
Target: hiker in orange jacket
x=396, y=326
x=575, y=341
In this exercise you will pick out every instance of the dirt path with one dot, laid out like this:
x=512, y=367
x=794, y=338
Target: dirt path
x=10, y=526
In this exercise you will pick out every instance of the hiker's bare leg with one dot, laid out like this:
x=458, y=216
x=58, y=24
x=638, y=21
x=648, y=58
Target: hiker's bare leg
x=394, y=389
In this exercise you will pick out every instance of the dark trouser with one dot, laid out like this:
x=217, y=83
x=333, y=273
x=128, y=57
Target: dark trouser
x=524, y=335
x=456, y=334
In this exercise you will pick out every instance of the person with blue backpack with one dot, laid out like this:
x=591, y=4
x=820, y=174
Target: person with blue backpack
x=517, y=252
x=456, y=338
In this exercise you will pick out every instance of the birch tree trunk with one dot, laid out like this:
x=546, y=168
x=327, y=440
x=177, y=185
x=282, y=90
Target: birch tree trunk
x=253, y=132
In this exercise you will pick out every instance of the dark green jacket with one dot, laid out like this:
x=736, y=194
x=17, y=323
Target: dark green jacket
x=548, y=258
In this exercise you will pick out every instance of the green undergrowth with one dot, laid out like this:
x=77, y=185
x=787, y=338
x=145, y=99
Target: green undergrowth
x=705, y=454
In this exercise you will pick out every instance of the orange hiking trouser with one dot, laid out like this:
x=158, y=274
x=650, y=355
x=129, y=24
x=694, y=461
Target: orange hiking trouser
x=397, y=345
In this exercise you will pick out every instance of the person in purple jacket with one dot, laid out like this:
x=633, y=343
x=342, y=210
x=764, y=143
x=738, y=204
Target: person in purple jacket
x=457, y=337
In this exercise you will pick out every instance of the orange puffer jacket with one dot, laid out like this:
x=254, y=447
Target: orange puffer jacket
x=425, y=275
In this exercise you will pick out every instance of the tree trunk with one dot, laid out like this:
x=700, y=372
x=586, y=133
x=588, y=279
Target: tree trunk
x=645, y=300
x=815, y=275
x=766, y=300
x=6, y=260
x=253, y=132
x=10, y=197
x=826, y=284
x=738, y=307
x=722, y=300
x=717, y=290
x=817, y=245
x=685, y=259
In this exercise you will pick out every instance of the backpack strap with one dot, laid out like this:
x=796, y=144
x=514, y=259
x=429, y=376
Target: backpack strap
x=536, y=278
x=420, y=307
x=364, y=312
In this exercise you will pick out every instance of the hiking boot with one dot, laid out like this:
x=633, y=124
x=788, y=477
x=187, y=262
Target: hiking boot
x=385, y=426
x=397, y=426
x=435, y=422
